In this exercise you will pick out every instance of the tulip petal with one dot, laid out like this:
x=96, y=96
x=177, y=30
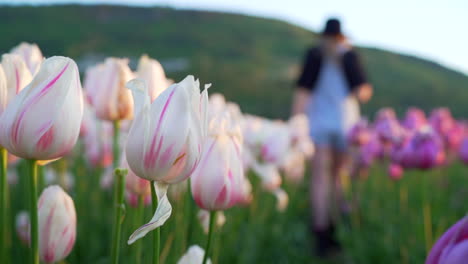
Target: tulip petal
x=163, y=212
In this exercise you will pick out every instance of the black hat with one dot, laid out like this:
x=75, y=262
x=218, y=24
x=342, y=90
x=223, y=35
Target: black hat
x=332, y=27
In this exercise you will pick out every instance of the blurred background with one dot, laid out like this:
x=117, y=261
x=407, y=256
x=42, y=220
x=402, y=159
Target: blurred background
x=415, y=53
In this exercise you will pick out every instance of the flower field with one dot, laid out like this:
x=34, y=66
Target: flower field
x=132, y=167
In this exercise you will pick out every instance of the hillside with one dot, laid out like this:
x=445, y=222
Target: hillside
x=253, y=61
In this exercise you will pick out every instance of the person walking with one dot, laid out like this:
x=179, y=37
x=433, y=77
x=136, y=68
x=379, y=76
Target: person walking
x=329, y=89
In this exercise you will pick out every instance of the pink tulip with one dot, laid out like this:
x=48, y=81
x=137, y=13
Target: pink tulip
x=23, y=227
x=43, y=121
x=414, y=119
x=452, y=246
x=395, y=171
x=441, y=120
x=57, y=224
x=370, y=152
x=276, y=143
x=385, y=113
x=454, y=136
x=389, y=130
x=16, y=75
x=158, y=148
x=424, y=150
x=152, y=72
x=31, y=55
x=360, y=133
x=106, y=91
x=98, y=142
x=134, y=184
x=217, y=183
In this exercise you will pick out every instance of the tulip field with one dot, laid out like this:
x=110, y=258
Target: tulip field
x=124, y=165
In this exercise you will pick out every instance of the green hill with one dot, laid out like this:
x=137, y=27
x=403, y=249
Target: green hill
x=253, y=61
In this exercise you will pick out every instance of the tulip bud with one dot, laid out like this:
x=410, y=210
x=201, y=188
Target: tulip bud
x=57, y=224
x=360, y=133
x=17, y=76
x=194, y=255
x=106, y=91
x=160, y=149
x=294, y=167
x=452, y=246
x=43, y=121
x=277, y=142
x=98, y=142
x=31, y=54
x=395, y=171
x=217, y=183
x=152, y=72
x=23, y=227
x=282, y=199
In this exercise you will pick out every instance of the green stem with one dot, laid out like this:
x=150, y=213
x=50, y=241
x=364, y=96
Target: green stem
x=119, y=189
x=139, y=219
x=157, y=232
x=32, y=164
x=3, y=206
x=210, y=236
x=190, y=211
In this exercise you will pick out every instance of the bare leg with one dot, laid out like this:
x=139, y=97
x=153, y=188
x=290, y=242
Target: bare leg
x=340, y=162
x=320, y=188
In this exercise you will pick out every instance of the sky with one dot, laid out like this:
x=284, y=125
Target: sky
x=432, y=29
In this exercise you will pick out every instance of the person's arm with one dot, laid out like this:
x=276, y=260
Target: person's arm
x=356, y=77
x=300, y=99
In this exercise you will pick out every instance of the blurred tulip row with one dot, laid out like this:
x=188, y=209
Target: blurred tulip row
x=151, y=136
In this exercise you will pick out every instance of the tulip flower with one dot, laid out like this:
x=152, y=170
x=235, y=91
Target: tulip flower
x=463, y=151
x=161, y=150
x=31, y=55
x=17, y=77
x=427, y=149
x=441, y=120
x=414, y=119
x=152, y=72
x=106, y=91
x=395, y=171
x=43, y=121
x=277, y=142
x=194, y=255
x=360, y=133
x=217, y=183
x=23, y=227
x=97, y=142
x=294, y=167
x=57, y=224
x=452, y=246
